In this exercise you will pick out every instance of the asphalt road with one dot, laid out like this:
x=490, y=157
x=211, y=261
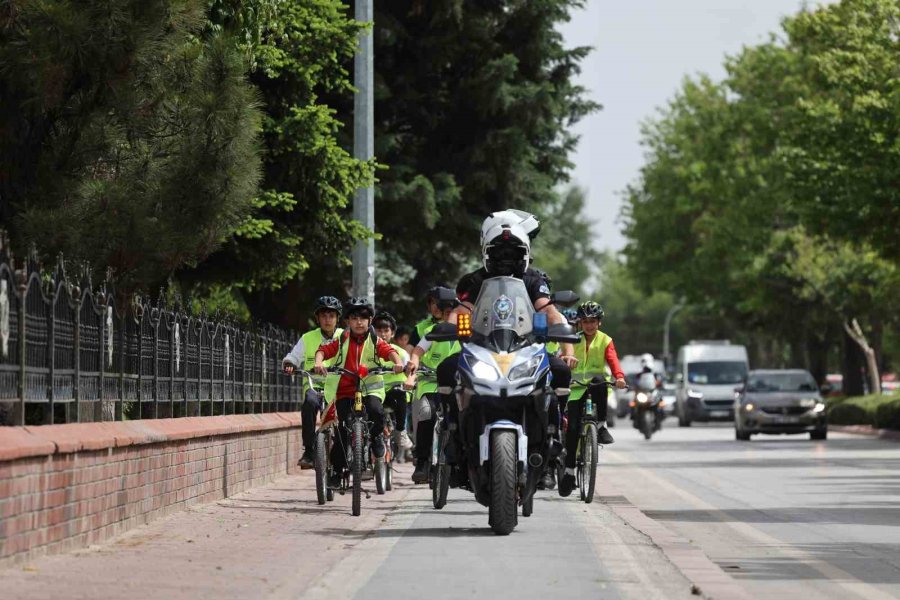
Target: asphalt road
x=779, y=518
x=783, y=516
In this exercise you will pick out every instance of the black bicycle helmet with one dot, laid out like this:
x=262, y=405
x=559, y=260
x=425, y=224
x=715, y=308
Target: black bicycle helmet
x=358, y=305
x=590, y=310
x=328, y=303
x=385, y=317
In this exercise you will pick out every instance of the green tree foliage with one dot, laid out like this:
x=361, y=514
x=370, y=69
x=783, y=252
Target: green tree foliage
x=127, y=140
x=299, y=52
x=792, y=137
x=474, y=102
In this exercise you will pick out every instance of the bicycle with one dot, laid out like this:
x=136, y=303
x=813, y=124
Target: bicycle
x=321, y=460
x=360, y=445
x=587, y=454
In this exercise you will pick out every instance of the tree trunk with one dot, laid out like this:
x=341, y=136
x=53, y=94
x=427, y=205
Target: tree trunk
x=852, y=365
x=855, y=332
x=817, y=355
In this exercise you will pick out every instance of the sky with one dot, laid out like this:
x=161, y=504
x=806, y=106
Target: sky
x=643, y=49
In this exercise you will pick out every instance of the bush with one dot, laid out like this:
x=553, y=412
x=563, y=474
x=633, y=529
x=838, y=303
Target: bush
x=887, y=415
x=878, y=410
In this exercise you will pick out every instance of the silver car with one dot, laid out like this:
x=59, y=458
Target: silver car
x=779, y=401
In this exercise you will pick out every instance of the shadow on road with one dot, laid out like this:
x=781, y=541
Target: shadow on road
x=418, y=532
x=885, y=516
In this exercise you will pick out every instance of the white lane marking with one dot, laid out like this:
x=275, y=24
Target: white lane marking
x=345, y=578
x=834, y=574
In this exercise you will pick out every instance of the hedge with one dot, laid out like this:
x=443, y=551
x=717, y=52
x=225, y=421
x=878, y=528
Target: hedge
x=878, y=410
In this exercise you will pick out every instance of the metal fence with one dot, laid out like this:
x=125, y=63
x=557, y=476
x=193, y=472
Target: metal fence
x=69, y=353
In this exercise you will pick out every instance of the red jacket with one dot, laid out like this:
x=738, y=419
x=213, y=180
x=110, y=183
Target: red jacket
x=612, y=359
x=347, y=385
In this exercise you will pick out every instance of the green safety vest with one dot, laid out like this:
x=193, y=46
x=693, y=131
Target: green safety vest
x=374, y=384
x=591, y=362
x=424, y=326
x=311, y=341
x=396, y=377
x=432, y=358
x=552, y=348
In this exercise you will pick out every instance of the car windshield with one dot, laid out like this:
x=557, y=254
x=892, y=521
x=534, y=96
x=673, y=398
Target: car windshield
x=717, y=373
x=781, y=382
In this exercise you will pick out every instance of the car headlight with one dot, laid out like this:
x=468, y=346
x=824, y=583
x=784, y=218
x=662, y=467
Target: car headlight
x=526, y=369
x=642, y=397
x=695, y=394
x=482, y=370
x=808, y=402
x=819, y=407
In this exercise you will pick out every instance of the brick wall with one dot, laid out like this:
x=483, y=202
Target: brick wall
x=67, y=486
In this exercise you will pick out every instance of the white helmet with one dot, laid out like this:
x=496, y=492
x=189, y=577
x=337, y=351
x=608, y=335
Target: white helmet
x=647, y=360
x=506, y=241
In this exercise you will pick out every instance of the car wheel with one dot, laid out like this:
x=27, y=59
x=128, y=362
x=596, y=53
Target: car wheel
x=819, y=434
x=741, y=436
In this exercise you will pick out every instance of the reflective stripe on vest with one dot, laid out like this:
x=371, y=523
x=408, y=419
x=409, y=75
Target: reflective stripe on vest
x=373, y=385
x=436, y=353
x=591, y=362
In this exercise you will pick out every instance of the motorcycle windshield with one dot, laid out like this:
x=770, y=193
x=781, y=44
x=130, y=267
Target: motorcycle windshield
x=503, y=311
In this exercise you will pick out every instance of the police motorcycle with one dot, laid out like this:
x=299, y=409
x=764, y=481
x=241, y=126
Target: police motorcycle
x=647, y=406
x=503, y=394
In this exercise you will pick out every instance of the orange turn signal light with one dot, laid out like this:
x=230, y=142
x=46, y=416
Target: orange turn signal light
x=464, y=325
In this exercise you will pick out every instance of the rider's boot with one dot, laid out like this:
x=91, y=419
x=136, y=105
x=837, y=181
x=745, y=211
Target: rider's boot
x=548, y=479
x=378, y=446
x=603, y=434
x=420, y=475
x=567, y=483
x=334, y=479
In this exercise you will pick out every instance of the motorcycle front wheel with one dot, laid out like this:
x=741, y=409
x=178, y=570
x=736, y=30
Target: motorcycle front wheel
x=647, y=424
x=504, y=482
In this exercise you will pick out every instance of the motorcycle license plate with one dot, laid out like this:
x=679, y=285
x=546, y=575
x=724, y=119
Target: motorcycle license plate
x=718, y=413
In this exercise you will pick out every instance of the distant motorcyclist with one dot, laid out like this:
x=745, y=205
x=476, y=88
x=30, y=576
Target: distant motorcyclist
x=595, y=352
x=303, y=356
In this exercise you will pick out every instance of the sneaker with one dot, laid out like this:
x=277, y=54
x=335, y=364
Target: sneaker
x=567, y=484
x=378, y=447
x=334, y=480
x=420, y=475
x=604, y=436
x=548, y=481
x=306, y=461
x=404, y=442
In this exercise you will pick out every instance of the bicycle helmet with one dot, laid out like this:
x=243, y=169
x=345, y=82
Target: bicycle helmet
x=570, y=314
x=590, y=310
x=385, y=317
x=358, y=305
x=446, y=292
x=328, y=303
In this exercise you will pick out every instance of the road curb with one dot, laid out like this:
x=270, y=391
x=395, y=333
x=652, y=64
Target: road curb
x=706, y=577
x=868, y=430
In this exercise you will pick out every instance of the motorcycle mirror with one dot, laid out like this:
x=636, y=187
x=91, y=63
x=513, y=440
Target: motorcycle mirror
x=562, y=333
x=443, y=332
x=564, y=298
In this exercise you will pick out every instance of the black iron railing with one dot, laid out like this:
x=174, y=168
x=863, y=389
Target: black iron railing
x=69, y=353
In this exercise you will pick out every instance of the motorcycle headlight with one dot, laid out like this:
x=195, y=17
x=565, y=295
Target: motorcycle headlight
x=749, y=407
x=819, y=408
x=525, y=370
x=482, y=370
x=642, y=397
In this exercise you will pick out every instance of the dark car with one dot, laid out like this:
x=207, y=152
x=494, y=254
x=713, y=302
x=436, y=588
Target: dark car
x=779, y=401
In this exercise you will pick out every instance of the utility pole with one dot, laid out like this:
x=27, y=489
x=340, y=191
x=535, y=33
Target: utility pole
x=667, y=356
x=364, y=149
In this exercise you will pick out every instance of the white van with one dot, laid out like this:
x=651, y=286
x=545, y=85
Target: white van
x=706, y=374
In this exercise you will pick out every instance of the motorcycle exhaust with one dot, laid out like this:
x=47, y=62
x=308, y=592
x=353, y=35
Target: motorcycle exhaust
x=535, y=460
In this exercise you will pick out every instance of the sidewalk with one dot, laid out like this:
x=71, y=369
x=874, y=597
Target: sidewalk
x=257, y=544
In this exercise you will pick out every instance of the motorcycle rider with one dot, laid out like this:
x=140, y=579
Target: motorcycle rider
x=594, y=352
x=395, y=398
x=506, y=251
x=303, y=356
x=357, y=347
x=431, y=354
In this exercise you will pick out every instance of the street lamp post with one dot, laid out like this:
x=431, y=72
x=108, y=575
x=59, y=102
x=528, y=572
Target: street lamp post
x=667, y=356
x=364, y=150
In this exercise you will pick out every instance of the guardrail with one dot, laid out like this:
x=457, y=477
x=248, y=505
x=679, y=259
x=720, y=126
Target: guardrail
x=69, y=353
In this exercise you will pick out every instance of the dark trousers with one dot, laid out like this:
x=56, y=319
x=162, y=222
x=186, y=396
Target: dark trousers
x=396, y=400
x=575, y=411
x=375, y=412
x=309, y=412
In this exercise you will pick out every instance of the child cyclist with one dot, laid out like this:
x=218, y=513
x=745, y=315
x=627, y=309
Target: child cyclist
x=594, y=352
x=385, y=326
x=358, y=346
x=303, y=356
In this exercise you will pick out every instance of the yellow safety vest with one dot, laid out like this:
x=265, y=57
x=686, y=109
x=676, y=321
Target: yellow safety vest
x=591, y=362
x=436, y=353
x=311, y=341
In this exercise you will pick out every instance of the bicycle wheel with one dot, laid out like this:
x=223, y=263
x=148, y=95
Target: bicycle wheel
x=321, y=464
x=589, y=462
x=381, y=475
x=358, y=444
